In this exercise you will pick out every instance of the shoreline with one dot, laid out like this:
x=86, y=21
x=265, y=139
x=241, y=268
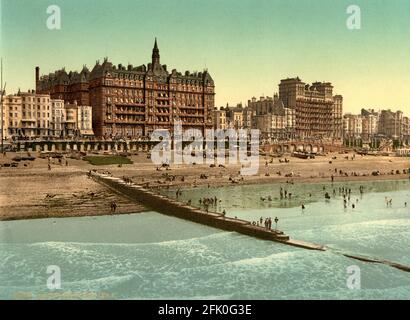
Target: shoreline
x=32, y=191
x=141, y=209
x=39, y=217
x=316, y=180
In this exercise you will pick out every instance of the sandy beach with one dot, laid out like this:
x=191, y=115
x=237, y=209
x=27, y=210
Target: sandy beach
x=33, y=191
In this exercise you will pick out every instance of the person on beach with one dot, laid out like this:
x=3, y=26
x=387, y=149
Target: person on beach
x=276, y=223
x=303, y=207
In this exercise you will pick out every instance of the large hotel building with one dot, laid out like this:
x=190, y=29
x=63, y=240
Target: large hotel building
x=318, y=112
x=130, y=101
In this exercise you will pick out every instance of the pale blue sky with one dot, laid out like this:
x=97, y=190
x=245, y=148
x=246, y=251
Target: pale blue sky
x=247, y=45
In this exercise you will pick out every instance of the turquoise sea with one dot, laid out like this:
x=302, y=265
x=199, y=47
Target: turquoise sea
x=152, y=256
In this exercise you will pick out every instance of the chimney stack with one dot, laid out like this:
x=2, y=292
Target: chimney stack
x=37, y=75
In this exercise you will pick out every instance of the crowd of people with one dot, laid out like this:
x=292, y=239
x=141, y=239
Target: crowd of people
x=50, y=161
x=266, y=223
x=207, y=202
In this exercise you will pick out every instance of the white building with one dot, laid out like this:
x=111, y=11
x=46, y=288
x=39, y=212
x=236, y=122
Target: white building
x=28, y=115
x=352, y=125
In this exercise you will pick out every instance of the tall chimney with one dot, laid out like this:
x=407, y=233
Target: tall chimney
x=37, y=75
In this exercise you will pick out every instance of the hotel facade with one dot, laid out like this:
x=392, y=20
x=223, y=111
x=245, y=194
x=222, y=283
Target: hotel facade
x=130, y=101
x=272, y=119
x=318, y=112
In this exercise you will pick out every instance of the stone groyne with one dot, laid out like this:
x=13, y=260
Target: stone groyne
x=171, y=207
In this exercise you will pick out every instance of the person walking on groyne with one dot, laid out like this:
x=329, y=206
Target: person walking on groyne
x=276, y=223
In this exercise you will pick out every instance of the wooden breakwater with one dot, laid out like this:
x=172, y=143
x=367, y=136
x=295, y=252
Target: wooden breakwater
x=171, y=207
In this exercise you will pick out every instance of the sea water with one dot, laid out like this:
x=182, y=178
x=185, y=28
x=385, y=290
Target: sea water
x=152, y=256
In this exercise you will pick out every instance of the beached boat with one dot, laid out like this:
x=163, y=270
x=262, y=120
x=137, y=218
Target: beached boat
x=303, y=155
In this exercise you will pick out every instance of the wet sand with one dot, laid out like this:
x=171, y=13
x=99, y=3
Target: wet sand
x=33, y=191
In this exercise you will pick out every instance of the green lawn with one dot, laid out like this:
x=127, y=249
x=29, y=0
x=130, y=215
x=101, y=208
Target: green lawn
x=107, y=160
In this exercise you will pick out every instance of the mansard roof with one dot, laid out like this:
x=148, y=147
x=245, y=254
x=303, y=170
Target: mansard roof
x=156, y=70
x=107, y=69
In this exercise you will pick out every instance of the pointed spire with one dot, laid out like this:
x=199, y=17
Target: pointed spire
x=155, y=45
x=155, y=54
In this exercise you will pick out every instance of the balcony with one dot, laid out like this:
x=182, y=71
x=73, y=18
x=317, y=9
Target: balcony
x=130, y=112
x=127, y=121
x=190, y=107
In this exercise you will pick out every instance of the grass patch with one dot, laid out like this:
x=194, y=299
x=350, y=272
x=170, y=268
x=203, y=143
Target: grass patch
x=107, y=160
